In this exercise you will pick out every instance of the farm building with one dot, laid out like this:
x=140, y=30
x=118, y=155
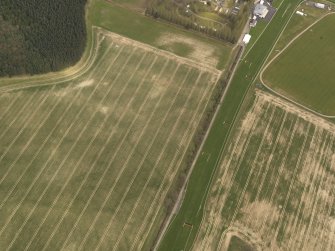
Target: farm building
x=320, y=5
x=261, y=10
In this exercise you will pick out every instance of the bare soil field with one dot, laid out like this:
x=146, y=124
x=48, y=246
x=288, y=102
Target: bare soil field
x=87, y=158
x=275, y=187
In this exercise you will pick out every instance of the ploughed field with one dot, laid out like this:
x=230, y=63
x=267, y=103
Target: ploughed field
x=304, y=70
x=86, y=159
x=275, y=186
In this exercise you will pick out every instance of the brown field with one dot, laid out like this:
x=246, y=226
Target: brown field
x=275, y=187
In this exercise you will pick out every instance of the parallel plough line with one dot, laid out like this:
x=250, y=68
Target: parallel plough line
x=65, y=134
x=316, y=196
x=165, y=179
x=64, y=161
x=297, y=166
x=129, y=157
x=318, y=210
x=9, y=107
x=41, y=146
x=315, y=141
x=310, y=192
x=264, y=174
x=269, y=162
x=281, y=167
x=236, y=169
x=29, y=215
x=73, y=171
x=77, y=164
x=115, y=154
x=278, y=124
x=40, y=125
x=240, y=157
x=22, y=114
x=252, y=169
x=40, y=102
x=103, y=148
x=152, y=170
x=231, y=150
x=316, y=175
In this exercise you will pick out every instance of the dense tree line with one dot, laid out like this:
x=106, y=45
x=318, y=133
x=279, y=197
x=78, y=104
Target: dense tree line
x=39, y=36
x=174, y=12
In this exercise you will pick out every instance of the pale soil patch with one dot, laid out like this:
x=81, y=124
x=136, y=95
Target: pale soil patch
x=258, y=209
x=103, y=109
x=157, y=89
x=86, y=83
x=201, y=51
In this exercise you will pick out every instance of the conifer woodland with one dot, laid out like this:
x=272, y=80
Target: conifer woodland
x=39, y=36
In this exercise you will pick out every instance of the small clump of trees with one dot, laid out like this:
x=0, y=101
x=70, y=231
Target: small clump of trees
x=39, y=36
x=174, y=11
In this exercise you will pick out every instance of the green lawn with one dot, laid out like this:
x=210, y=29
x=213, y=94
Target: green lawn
x=304, y=71
x=147, y=30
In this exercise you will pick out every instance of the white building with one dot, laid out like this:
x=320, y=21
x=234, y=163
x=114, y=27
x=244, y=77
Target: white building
x=320, y=5
x=300, y=13
x=246, y=38
x=261, y=10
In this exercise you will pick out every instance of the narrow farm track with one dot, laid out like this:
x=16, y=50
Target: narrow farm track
x=85, y=141
x=289, y=207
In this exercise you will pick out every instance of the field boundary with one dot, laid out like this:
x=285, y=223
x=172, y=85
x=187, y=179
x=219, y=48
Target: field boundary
x=163, y=53
x=306, y=115
x=280, y=53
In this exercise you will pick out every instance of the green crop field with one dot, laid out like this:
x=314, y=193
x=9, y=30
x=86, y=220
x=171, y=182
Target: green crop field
x=88, y=156
x=304, y=70
x=275, y=185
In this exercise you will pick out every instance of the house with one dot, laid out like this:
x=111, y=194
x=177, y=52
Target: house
x=261, y=10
